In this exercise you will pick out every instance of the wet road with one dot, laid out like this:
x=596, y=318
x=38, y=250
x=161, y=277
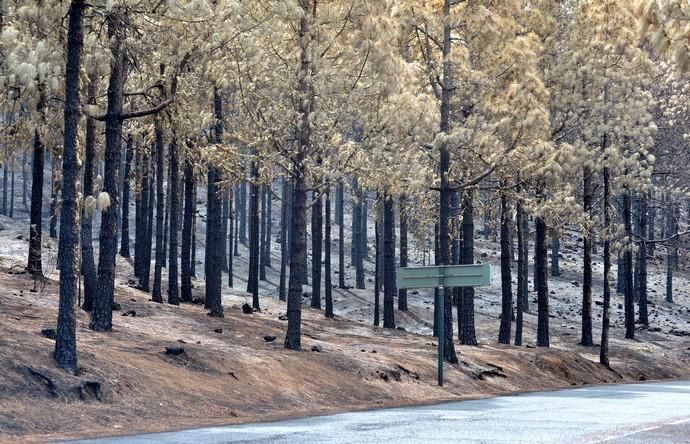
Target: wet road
x=637, y=413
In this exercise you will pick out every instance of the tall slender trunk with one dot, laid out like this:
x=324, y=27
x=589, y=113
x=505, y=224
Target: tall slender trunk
x=173, y=275
x=55, y=189
x=652, y=228
x=525, y=262
x=24, y=182
x=389, y=285
x=102, y=315
x=149, y=206
x=193, y=261
x=242, y=214
x=316, y=249
x=357, y=242
x=519, y=225
x=587, y=338
x=262, y=234
x=238, y=208
x=377, y=269
x=65, y=338
x=157, y=295
x=284, y=233
x=340, y=220
x=328, y=287
x=555, y=248
x=214, y=224
x=671, y=228
x=166, y=220
x=506, y=289
x=541, y=279
x=35, y=219
x=466, y=306
x=642, y=261
x=226, y=216
x=266, y=250
x=254, y=230
x=628, y=256
x=124, y=243
x=231, y=231
x=139, y=218
x=88, y=264
x=402, y=292
x=605, y=320
x=298, y=269
x=187, y=218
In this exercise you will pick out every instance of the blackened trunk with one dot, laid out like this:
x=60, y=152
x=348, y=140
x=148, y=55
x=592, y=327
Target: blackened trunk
x=284, y=233
x=357, y=243
x=65, y=338
x=187, y=218
x=671, y=229
x=642, y=261
x=214, y=223
x=605, y=320
x=504, y=333
x=377, y=270
x=587, y=339
x=555, y=247
x=266, y=249
x=628, y=276
x=173, y=275
x=157, y=295
x=102, y=315
x=149, y=206
x=88, y=265
x=124, y=243
x=339, y=202
x=389, y=284
x=230, y=240
x=35, y=231
x=316, y=250
x=340, y=220
x=226, y=216
x=328, y=287
x=364, y=238
x=254, y=231
x=402, y=292
x=525, y=263
x=466, y=305
x=541, y=279
x=55, y=189
x=262, y=235
x=298, y=235
x=242, y=213
x=519, y=225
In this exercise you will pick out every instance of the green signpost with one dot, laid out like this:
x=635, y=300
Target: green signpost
x=443, y=276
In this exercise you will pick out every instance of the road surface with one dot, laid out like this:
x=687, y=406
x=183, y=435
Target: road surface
x=635, y=413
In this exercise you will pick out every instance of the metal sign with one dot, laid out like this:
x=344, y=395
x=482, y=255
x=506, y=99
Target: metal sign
x=443, y=276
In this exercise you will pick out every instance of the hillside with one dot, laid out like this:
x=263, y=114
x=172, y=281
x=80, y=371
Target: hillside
x=229, y=373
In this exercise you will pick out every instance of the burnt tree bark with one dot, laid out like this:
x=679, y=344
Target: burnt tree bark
x=124, y=242
x=328, y=287
x=642, y=261
x=629, y=302
x=605, y=319
x=214, y=224
x=35, y=219
x=586, y=338
x=88, y=264
x=521, y=259
x=254, y=232
x=173, y=275
x=402, y=293
x=65, y=339
x=541, y=280
x=504, y=333
x=284, y=233
x=389, y=285
x=187, y=221
x=157, y=294
x=316, y=250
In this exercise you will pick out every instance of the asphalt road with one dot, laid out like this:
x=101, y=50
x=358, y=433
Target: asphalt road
x=636, y=413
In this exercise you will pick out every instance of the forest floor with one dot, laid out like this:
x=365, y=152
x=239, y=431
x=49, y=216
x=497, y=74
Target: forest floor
x=229, y=372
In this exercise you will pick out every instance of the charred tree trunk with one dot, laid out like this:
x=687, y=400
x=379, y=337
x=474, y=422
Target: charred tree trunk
x=587, y=339
x=231, y=233
x=35, y=219
x=226, y=215
x=157, y=294
x=102, y=315
x=357, y=242
x=555, y=248
x=242, y=213
x=402, y=293
x=328, y=287
x=541, y=278
x=262, y=235
x=316, y=251
x=65, y=339
x=628, y=256
x=55, y=189
x=642, y=261
x=389, y=285
x=88, y=264
x=605, y=320
x=284, y=233
x=377, y=269
x=504, y=333
x=519, y=225
x=466, y=306
x=187, y=221
x=214, y=224
x=173, y=275
x=671, y=250
x=149, y=204
x=340, y=220
x=124, y=243
x=266, y=249
x=254, y=231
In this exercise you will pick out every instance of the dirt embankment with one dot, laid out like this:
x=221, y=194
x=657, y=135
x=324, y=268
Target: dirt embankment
x=232, y=370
